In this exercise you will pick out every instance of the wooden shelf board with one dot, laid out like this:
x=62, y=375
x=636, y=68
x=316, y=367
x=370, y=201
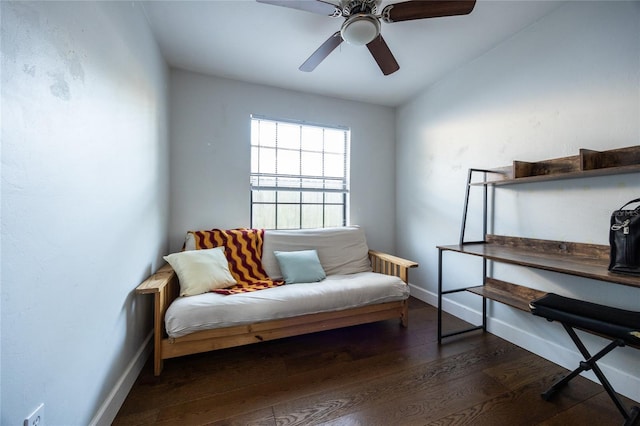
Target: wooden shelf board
x=514, y=295
x=635, y=168
x=587, y=163
x=522, y=252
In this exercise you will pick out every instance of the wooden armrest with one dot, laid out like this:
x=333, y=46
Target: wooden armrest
x=393, y=259
x=391, y=265
x=158, y=281
x=164, y=287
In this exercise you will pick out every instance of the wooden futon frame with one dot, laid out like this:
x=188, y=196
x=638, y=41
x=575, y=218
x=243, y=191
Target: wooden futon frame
x=165, y=288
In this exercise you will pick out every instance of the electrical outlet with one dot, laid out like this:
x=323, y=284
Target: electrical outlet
x=36, y=418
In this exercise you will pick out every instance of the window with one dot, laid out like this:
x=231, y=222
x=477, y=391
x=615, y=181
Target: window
x=299, y=174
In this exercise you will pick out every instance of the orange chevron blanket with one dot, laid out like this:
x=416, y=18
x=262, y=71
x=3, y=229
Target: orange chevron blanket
x=243, y=249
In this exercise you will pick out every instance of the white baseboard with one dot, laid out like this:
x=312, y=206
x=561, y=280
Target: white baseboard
x=424, y=295
x=111, y=405
x=460, y=311
x=623, y=382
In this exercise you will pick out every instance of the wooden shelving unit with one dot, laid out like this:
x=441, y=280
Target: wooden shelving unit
x=577, y=259
x=587, y=163
x=570, y=258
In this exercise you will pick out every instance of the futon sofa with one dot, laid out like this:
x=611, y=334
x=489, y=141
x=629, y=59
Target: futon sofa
x=308, y=280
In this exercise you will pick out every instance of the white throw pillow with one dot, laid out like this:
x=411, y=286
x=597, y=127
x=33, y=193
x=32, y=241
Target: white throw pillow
x=200, y=271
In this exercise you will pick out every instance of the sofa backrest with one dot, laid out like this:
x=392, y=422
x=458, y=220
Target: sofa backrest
x=341, y=250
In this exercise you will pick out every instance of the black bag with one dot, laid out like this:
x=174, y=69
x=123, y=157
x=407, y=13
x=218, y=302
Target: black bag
x=624, y=238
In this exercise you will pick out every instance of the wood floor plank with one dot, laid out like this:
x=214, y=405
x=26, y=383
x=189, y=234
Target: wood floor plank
x=317, y=381
x=146, y=417
x=176, y=388
x=416, y=407
x=522, y=406
x=517, y=373
x=372, y=374
x=317, y=377
x=594, y=411
x=391, y=387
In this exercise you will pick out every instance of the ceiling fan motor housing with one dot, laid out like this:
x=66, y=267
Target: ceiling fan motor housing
x=359, y=6
x=360, y=29
x=361, y=25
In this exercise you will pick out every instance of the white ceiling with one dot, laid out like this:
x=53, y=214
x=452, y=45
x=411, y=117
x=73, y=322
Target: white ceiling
x=265, y=44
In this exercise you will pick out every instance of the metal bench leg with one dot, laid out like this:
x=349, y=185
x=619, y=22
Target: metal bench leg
x=590, y=364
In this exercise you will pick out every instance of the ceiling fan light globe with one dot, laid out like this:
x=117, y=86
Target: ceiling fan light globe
x=360, y=30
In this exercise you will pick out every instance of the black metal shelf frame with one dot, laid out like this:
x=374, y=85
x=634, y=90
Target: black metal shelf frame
x=441, y=292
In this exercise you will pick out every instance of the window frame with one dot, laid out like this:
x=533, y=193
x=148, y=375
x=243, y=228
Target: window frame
x=301, y=184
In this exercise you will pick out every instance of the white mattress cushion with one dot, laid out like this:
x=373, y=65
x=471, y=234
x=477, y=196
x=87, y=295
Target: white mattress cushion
x=337, y=292
x=342, y=250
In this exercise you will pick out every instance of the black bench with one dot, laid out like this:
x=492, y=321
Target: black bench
x=619, y=325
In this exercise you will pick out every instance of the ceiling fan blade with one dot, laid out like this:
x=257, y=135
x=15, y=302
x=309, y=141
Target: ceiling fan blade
x=420, y=9
x=383, y=56
x=322, y=52
x=314, y=6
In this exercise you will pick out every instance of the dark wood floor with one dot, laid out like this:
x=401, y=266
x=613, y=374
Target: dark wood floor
x=374, y=374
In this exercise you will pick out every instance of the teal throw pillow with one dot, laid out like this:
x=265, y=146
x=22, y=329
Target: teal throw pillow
x=300, y=266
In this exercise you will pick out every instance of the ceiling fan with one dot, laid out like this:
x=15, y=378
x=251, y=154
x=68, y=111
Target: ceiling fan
x=362, y=23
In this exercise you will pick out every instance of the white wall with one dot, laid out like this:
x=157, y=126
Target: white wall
x=84, y=204
x=570, y=81
x=210, y=153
